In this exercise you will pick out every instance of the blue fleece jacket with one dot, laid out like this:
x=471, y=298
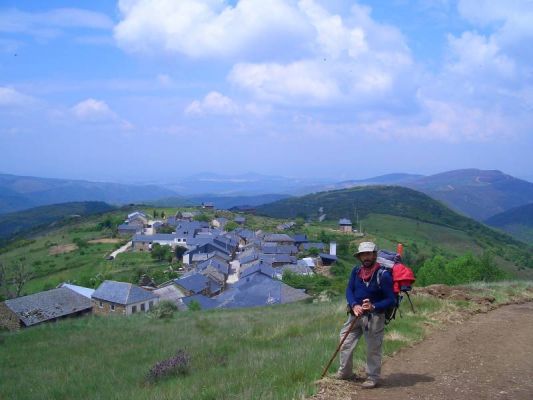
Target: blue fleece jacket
x=381, y=296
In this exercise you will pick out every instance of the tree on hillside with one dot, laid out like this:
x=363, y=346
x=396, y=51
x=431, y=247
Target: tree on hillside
x=432, y=271
x=231, y=226
x=3, y=282
x=166, y=229
x=155, y=214
x=180, y=251
x=161, y=253
x=20, y=277
x=202, y=218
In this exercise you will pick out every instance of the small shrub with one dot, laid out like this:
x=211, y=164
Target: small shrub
x=177, y=365
x=164, y=309
x=194, y=305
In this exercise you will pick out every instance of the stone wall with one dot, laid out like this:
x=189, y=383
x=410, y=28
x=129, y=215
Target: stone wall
x=105, y=309
x=8, y=319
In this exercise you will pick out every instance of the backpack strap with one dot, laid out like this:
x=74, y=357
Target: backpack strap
x=381, y=271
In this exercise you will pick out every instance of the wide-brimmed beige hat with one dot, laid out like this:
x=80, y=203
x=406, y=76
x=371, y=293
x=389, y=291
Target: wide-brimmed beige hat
x=365, y=247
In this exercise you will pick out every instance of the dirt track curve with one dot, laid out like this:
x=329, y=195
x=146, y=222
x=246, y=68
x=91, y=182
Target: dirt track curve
x=489, y=356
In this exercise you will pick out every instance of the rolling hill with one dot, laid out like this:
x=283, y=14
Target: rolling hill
x=517, y=221
x=394, y=214
x=479, y=194
x=18, y=223
x=22, y=192
x=365, y=200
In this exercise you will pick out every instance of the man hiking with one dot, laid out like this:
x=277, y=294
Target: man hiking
x=368, y=297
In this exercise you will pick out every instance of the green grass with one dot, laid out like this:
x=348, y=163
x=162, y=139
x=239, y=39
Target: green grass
x=77, y=266
x=425, y=235
x=263, y=353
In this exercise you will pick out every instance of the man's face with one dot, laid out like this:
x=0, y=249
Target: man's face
x=368, y=258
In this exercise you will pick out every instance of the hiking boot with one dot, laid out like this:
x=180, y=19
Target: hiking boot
x=369, y=384
x=343, y=377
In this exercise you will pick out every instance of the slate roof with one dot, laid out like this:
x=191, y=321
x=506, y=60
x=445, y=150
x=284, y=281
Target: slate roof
x=278, y=237
x=300, y=238
x=169, y=292
x=286, y=225
x=137, y=214
x=258, y=290
x=122, y=293
x=219, y=265
x=155, y=238
x=345, y=221
x=194, y=283
x=245, y=233
x=205, y=302
x=47, y=305
x=130, y=227
x=197, y=282
x=326, y=256
x=270, y=248
x=265, y=269
x=278, y=258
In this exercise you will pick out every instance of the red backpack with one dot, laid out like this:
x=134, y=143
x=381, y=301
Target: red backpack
x=402, y=279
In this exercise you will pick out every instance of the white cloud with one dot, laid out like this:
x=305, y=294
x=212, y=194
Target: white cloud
x=443, y=120
x=513, y=17
x=300, y=81
x=93, y=109
x=97, y=111
x=12, y=97
x=51, y=23
x=207, y=28
x=475, y=54
x=213, y=103
x=354, y=60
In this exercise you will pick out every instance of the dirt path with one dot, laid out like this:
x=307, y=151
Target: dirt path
x=490, y=356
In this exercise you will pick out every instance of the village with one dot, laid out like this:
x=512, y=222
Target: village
x=223, y=265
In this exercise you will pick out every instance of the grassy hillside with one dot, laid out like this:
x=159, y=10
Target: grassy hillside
x=272, y=353
x=410, y=217
x=17, y=223
x=517, y=221
x=388, y=200
x=76, y=251
x=476, y=193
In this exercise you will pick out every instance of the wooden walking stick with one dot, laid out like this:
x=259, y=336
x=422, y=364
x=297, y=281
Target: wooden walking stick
x=352, y=324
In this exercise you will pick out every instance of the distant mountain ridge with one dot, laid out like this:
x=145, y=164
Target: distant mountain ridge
x=517, y=221
x=479, y=194
x=476, y=193
x=247, y=184
x=23, y=192
x=219, y=201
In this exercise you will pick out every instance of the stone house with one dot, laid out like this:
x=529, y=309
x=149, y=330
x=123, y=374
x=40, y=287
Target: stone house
x=278, y=238
x=137, y=217
x=345, y=225
x=46, y=306
x=122, y=298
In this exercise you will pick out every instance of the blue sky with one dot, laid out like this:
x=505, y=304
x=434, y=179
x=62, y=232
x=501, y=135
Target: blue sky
x=152, y=90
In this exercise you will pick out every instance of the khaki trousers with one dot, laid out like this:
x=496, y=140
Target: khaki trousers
x=372, y=327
